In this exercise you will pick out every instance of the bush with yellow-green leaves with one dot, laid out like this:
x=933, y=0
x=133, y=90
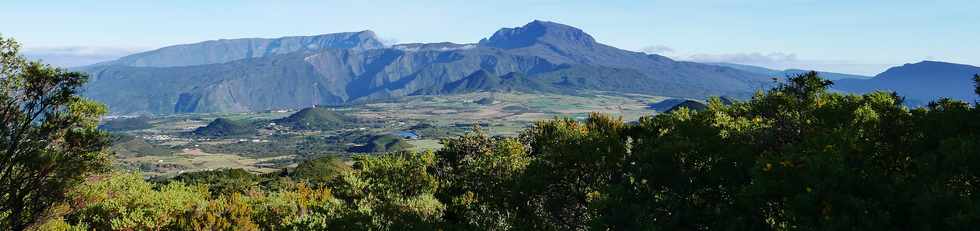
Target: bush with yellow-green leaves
x=797, y=157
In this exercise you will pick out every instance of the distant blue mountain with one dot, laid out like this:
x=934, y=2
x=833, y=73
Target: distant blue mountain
x=920, y=82
x=789, y=72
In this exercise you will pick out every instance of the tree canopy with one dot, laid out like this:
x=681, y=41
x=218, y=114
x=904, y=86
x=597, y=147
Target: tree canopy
x=49, y=140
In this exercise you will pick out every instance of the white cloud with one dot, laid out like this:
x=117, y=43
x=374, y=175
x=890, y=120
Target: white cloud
x=657, y=49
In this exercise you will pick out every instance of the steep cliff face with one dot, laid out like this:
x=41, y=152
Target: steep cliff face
x=296, y=80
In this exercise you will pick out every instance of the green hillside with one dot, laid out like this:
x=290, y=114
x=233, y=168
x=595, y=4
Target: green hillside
x=316, y=118
x=689, y=104
x=226, y=127
x=383, y=143
x=128, y=145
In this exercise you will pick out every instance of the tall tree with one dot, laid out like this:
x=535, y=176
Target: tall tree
x=49, y=141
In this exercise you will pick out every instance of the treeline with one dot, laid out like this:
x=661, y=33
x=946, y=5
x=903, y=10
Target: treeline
x=796, y=157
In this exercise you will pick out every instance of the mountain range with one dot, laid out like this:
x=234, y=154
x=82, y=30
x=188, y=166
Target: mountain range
x=253, y=74
x=334, y=69
x=226, y=50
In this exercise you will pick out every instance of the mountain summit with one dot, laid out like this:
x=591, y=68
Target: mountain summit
x=550, y=33
x=558, y=43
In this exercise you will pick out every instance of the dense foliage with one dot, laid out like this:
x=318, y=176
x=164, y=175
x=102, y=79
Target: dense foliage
x=48, y=137
x=689, y=104
x=382, y=143
x=794, y=158
x=320, y=170
x=221, y=182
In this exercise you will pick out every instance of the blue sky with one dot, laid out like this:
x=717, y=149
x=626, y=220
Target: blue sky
x=861, y=37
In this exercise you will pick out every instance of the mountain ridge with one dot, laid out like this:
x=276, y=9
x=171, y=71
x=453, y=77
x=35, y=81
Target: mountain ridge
x=242, y=48
x=541, y=56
